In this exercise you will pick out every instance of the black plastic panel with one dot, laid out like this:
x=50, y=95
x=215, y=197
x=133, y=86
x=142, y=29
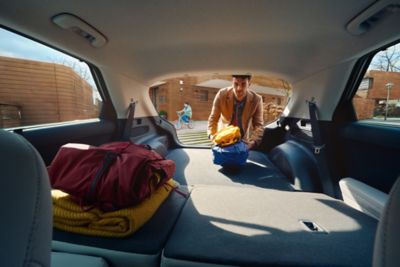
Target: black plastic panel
x=371, y=153
x=297, y=163
x=374, y=134
x=48, y=140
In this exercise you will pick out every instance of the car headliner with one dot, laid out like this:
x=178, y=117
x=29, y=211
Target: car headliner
x=303, y=41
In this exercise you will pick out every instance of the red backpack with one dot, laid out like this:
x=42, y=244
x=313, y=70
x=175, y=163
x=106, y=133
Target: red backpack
x=111, y=176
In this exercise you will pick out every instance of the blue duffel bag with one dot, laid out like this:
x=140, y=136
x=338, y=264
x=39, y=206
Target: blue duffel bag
x=232, y=155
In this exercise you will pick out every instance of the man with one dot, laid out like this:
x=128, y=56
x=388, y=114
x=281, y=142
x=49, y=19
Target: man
x=239, y=106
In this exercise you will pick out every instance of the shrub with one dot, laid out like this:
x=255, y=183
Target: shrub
x=163, y=114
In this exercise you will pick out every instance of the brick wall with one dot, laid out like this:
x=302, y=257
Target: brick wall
x=202, y=107
x=366, y=101
x=45, y=92
x=364, y=107
x=380, y=79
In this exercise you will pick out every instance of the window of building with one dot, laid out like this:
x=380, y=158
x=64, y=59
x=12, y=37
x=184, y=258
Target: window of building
x=162, y=99
x=40, y=85
x=366, y=83
x=378, y=96
x=203, y=95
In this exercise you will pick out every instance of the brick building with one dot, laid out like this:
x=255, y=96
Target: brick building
x=370, y=99
x=33, y=92
x=200, y=91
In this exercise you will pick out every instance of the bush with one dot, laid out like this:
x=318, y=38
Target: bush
x=163, y=114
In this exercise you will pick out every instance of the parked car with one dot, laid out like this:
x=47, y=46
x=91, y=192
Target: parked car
x=312, y=193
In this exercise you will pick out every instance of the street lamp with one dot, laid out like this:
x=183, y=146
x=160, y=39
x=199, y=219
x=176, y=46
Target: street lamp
x=388, y=87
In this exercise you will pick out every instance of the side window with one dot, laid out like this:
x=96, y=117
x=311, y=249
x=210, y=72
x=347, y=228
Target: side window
x=378, y=96
x=40, y=85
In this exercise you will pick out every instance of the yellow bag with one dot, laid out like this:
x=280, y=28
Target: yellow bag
x=227, y=136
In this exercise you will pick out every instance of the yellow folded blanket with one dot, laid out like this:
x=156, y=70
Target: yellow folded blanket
x=69, y=216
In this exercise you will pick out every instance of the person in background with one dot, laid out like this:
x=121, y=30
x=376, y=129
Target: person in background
x=186, y=112
x=239, y=106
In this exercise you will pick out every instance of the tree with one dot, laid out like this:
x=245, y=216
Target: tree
x=388, y=59
x=82, y=70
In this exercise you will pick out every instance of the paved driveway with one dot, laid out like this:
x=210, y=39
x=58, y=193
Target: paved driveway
x=195, y=136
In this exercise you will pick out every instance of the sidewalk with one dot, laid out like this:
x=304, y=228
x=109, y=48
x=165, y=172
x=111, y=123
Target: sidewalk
x=195, y=136
x=199, y=126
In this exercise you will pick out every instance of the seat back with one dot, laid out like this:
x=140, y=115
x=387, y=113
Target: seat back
x=26, y=213
x=387, y=240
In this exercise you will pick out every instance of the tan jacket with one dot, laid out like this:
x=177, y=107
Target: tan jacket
x=252, y=117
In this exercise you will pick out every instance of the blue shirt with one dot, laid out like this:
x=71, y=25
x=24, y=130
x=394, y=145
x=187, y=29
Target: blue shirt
x=187, y=110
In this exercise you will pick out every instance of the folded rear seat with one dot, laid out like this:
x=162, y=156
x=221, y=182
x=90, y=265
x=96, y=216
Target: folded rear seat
x=59, y=259
x=246, y=226
x=194, y=166
x=143, y=248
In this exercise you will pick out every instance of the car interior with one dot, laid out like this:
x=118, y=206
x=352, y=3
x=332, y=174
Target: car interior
x=319, y=190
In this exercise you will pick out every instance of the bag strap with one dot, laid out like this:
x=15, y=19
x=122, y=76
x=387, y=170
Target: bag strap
x=108, y=160
x=176, y=190
x=319, y=151
x=129, y=120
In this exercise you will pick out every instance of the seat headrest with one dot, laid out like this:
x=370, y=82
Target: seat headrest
x=26, y=211
x=387, y=240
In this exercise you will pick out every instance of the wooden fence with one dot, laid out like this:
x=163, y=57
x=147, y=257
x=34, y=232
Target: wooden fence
x=43, y=92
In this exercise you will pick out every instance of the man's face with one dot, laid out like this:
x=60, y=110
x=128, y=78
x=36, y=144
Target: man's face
x=240, y=87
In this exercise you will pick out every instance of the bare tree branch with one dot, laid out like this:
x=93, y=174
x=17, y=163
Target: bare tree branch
x=75, y=66
x=387, y=60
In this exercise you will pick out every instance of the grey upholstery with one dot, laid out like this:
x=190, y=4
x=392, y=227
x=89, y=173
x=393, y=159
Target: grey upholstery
x=297, y=163
x=363, y=197
x=195, y=167
x=26, y=204
x=387, y=242
x=143, y=248
x=27, y=211
x=248, y=226
x=114, y=258
x=73, y=260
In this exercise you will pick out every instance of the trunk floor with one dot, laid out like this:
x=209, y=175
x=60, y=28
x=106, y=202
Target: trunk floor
x=194, y=166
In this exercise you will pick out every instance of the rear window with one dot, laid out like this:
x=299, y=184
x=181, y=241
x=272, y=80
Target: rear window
x=40, y=85
x=169, y=97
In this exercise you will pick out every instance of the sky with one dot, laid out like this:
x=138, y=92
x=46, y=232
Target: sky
x=16, y=46
x=395, y=49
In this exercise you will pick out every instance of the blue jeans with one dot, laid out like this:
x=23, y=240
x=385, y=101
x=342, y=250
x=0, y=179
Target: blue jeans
x=185, y=118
